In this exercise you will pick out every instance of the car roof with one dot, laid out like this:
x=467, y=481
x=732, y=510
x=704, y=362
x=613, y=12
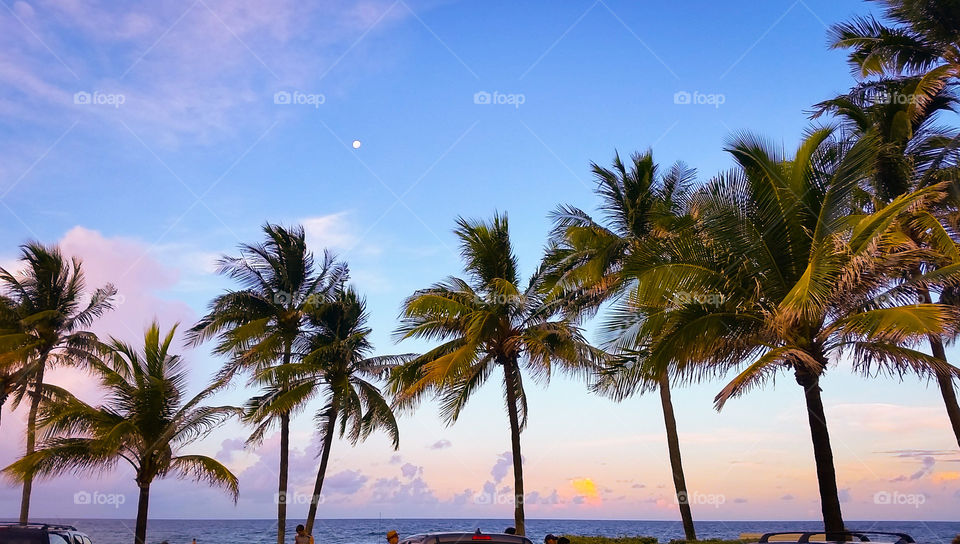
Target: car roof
x=7, y=525
x=464, y=537
x=803, y=537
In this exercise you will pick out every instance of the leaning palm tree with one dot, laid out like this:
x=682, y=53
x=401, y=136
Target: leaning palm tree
x=145, y=420
x=44, y=319
x=911, y=152
x=799, y=282
x=585, y=260
x=265, y=324
x=338, y=366
x=484, y=323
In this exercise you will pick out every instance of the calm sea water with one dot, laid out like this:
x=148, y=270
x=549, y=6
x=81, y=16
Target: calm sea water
x=371, y=531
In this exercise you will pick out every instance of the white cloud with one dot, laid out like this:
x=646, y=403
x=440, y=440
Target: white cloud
x=333, y=231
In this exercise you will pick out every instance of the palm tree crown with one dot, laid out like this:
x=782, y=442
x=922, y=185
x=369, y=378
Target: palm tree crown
x=483, y=323
x=145, y=420
x=42, y=322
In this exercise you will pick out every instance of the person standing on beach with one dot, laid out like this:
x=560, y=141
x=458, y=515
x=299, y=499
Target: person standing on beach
x=302, y=536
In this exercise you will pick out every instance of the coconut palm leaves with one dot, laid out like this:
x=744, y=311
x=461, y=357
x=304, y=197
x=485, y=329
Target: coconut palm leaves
x=42, y=322
x=916, y=38
x=337, y=365
x=264, y=325
x=585, y=260
x=911, y=152
x=799, y=278
x=484, y=323
x=145, y=420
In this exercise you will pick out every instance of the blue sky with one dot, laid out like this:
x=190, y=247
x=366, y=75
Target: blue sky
x=199, y=154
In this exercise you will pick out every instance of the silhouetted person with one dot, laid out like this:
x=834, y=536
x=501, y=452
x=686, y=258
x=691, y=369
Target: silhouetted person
x=302, y=536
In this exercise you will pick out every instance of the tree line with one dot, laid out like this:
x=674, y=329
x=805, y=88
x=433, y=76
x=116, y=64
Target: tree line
x=846, y=247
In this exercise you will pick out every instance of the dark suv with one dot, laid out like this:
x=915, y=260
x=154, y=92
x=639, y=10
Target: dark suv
x=41, y=533
x=463, y=538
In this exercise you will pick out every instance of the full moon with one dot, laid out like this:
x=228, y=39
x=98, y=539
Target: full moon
x=356, y=144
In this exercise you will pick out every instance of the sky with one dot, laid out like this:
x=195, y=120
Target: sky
x=151, y=138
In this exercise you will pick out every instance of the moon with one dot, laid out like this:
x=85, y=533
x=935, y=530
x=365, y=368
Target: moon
x=357, y=144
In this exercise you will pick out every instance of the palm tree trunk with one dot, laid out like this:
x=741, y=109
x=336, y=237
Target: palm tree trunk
x=31, y=441
x=284, y=469
x=946, y=387
x=823, y=455
x=676, y=464
x=510, y=376
x=284, y=464
x=3, y=402
x=322, y=471
x=944, y=381
x=143, y=503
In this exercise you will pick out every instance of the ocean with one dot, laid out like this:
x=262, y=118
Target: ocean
x=372, y=531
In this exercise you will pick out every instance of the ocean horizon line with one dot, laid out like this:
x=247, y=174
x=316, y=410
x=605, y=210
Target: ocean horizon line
x=405, y=518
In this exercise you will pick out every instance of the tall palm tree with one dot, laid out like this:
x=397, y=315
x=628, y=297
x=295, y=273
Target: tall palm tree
x=145, y=420
x=45, y=321
x=917, y=38
x=586, y=259
x=265, y=324
x=484, y=323
x=799, y=279
x=337, y=365
x=912, y=152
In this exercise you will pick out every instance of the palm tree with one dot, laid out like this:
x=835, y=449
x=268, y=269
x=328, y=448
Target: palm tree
x=145, y=420
x=586, y=263
x=338, y=365
x=44, y=322
x=919, y=38
x=798, y=282
x=484, y=323
x=265, y=323
x=910, y=154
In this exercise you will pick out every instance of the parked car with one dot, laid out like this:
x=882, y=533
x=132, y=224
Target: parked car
x=41, y=533
x=464, y=538
x=802, y=537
